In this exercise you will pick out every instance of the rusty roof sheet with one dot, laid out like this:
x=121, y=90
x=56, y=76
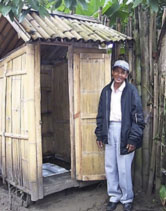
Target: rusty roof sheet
x=60, y=26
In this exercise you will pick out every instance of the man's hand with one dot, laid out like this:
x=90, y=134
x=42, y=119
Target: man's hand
x=130, y=147
x=99, y=144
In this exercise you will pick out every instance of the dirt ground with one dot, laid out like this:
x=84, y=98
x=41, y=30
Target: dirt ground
x=92, y=198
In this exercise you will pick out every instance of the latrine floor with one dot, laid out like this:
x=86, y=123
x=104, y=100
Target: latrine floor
x=57, y=160
x=50, y=169
x=56, y=175
x=56, y=183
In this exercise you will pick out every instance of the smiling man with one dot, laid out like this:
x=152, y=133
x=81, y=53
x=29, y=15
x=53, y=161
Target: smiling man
x=120, y=125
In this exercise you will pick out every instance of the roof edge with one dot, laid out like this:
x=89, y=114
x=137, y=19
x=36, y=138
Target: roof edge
x=73, y=16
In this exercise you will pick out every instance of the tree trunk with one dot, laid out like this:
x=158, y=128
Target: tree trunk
x=137, y=80
x=146, y=94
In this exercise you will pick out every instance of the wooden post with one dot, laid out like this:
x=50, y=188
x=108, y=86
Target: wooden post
x=146, y=95
x=155, y=133
x=137, y=80
x=71, y=110
x=33, y=174
x=77, y=115
x=38, y=120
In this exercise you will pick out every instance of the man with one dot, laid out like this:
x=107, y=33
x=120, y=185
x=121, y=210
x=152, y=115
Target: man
x=120, y=125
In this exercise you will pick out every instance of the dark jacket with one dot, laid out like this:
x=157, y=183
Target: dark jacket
x=132, y=117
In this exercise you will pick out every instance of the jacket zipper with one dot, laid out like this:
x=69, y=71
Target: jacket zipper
x=136, y=117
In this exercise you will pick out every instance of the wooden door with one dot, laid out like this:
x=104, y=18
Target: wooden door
x=20, y=134
x=91, y=74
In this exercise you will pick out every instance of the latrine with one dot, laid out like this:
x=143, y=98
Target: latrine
x=52, y=71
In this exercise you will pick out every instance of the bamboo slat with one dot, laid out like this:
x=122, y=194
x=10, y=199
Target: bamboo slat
x=56, y=31
x=9, y=144
x=92, y=33
x=67, y=31
x=24, y=128
x=73, y=32
x=47, y=25
x=145, y=81
x=107, y=65
x=79, y=30
x=38, y=121
x=16, y=120
x=4, y=124
x=138, y=156
x=77, y=120
x=29, y=28
x=155, y=132
x=61, y=110
x=1, y=114
x=47, y=107
x=71, y=109
x=39, y=28
x=32, y=159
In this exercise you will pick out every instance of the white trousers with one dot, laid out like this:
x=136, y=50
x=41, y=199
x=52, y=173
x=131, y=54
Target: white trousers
x=118, y=167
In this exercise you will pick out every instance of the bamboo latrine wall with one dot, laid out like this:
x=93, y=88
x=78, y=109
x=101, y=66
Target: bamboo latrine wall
x=18, y=133
x=149, y=75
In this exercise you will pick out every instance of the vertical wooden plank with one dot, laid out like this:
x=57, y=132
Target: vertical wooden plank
x=32, y=158
x=3, y=125
x=24, y=124
x=61, y=111
x=71, y=109
x=0, y=154
x=77, y=132
x=107, y=60
x=38, y=120
x=15, y=129
x=8, y=126
x=47, y=109
x=25, y=164
x=16, y=120
x=1, y=113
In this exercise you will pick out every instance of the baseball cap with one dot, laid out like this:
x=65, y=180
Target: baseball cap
x=122, y=64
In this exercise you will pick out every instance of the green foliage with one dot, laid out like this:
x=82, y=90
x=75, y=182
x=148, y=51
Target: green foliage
x=58, y=3
x=136, y=3
x=91, y=9
x=19, y=8
x=14, y=8
x=163, y=194
x=69, y=5
x=116, y=9
x=153, y=4
x=111, y=8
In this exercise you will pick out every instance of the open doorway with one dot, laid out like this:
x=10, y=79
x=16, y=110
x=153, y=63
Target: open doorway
x=55, y=110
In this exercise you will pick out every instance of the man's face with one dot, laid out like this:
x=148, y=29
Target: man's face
x=119, y=75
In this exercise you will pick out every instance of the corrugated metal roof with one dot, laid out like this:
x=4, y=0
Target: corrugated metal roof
x=61, y=26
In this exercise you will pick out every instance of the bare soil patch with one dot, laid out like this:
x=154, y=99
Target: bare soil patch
x=92, y=198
